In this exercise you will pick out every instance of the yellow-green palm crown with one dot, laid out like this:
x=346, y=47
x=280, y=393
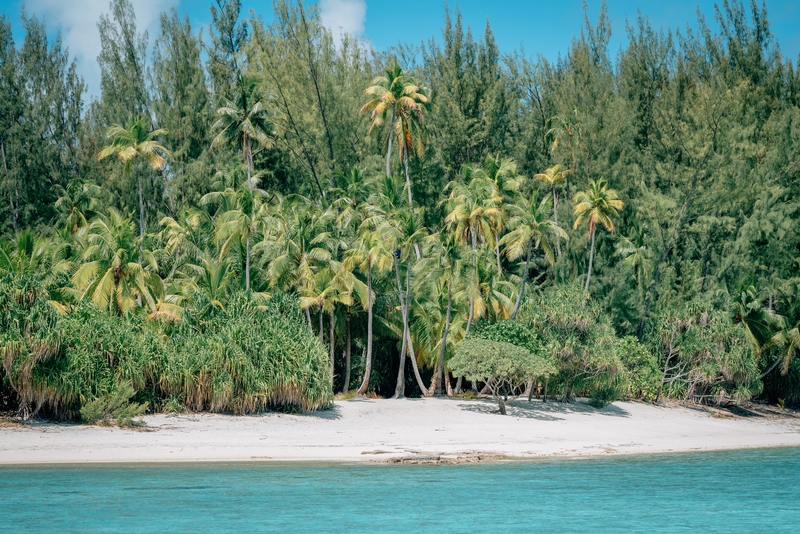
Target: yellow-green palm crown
x=553, y=175
x=129, y=143
x=597, y=204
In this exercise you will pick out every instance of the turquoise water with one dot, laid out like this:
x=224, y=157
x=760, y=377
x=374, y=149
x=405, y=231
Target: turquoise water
x=743, y=491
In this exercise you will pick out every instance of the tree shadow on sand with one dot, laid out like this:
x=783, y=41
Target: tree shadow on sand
x=542, y=411
x=331, y=414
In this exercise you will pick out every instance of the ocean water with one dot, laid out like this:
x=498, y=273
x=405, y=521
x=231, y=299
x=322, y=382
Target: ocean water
x=741, y=491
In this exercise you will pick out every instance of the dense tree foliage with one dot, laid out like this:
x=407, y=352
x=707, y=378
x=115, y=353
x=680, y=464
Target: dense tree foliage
x=407, y=201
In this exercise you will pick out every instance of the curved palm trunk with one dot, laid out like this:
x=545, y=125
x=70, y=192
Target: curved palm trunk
x=346, y=384
x=389, y=148
x=555, y=219
x=524, y=281
x=332, y=341
x=440, y=364
x=399, y=390
x=368, y=369
x=591, y=259
x=405, y=306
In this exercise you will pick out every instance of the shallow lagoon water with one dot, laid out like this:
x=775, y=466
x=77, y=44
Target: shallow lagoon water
x=737, y=491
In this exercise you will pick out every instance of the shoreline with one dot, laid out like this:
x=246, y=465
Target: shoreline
x=409, y=431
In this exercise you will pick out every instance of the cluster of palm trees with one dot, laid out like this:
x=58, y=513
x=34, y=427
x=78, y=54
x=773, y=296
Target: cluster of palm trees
x=359, y=244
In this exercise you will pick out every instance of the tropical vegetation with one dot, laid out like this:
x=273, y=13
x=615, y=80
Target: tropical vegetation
x=287, y=215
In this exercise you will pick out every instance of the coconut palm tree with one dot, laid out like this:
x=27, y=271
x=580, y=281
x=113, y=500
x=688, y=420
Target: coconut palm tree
x=77, y=203
x=474, y=205
x=108, y=277
x=405, y=230
x=443, y=264
x=300, y=245
x=530, y=229
x=597, y=205
x=396, y=96
x=245, y=119
x=369, y=253
x=552, y=176
x=132, y=143
x=502, y=174
x=247, y=205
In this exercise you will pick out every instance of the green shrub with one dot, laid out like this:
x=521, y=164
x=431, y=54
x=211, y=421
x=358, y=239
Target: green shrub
x=642, y=374
x=115, y=406
x=579, y=339
x=243, y=359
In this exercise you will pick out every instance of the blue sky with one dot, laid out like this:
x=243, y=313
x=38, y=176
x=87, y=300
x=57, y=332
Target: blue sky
x=542, y=27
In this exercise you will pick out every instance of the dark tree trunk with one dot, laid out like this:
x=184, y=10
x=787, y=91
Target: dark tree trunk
x=332, y=341
x=440, y=364
x=346, y=382
x=368, y=367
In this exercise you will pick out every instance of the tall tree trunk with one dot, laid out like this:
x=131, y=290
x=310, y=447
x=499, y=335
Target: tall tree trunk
x=141, y=215
x=475, y=274
x=400, y=387
x=308, y=318
x=410, y=200
x=389, y=147
x=14, y=216
x=346, y=382
x=524, y=281
x=368, y=367
x=440, y=363
x=408, y=178
x=321, y=329
x=555, y=219
x=247, y=160
x=406, y=308
x=399, y=390
x=247, y=263
x=591, y=259
x=497, y=252
x=332, y=341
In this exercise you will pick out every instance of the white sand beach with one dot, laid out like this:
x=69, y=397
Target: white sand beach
x=409, y=430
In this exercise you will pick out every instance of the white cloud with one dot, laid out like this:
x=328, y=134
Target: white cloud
x=343, y=16
x=77, y=21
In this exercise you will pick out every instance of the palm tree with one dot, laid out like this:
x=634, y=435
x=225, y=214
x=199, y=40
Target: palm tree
x=474, y=207
x=76, y=202
x=502, y=174
x=443, y=264
x=327, y=287
x=397, y=94
x=551, y=177
x=529, y=230
x=406, y=228
x=108, y=277
x=243, y=118
x=301, y=244
x=369, y=253
x=247, y=205
x=597, y=204
x=130, y=144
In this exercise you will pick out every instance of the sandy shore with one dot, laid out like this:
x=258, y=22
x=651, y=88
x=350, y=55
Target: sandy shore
x=410, y=430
